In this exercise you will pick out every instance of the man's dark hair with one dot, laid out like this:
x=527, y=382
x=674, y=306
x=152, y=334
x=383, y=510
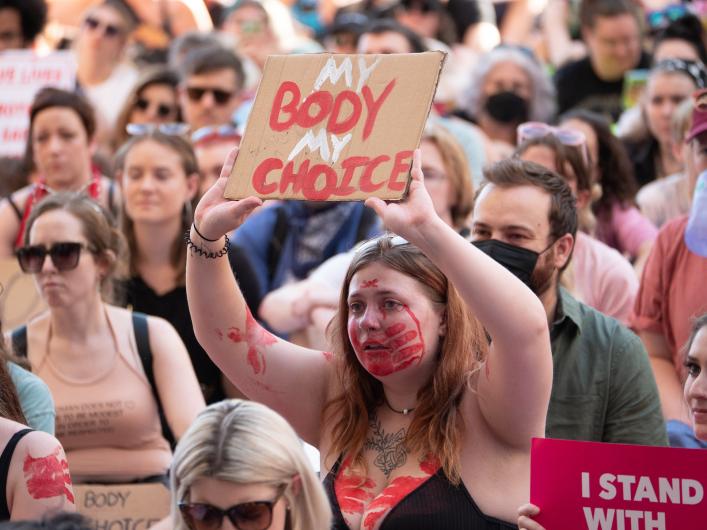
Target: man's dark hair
x=388, y=25
x=33, y=16
x=590, y=10
x=687, y=28
x=210, y=59
x=513, y=172
x=60, y=521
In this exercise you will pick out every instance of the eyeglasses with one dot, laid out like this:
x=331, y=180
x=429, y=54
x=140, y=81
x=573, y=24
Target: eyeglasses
x=163, y=110
x=109, y=30
x=221, y=97
x=215, y=132
x=170, y=129
x=534, y=129
x=65, y=256
x=255, y=515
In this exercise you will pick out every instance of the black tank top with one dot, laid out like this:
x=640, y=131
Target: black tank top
x=435, y=505
x=5, y=460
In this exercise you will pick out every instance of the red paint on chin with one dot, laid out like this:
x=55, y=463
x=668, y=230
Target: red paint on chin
x=48, y=476
x=352, y=492
x=255, y=337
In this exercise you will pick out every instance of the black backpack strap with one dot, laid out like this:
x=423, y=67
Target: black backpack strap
x=277, y=240
x=142, y=339
x=19, y=342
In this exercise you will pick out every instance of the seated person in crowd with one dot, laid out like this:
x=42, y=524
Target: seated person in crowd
x=105, y=75
x=616, y=220
x=242, y=460
x=35, y=398
x=603, y=389
x=611, y=30
x=28, y=462
x=159, y=177
x=211, y=88
x=597, y=275
x=307, y=306
x=21, y=22
x=693, y=435
x=59, y=145
x=650, y=145
x=669, y=197
x=122, y=381
x=673, y=290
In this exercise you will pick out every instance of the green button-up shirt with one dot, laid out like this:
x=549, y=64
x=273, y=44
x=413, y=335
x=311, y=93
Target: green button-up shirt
x=603, y=389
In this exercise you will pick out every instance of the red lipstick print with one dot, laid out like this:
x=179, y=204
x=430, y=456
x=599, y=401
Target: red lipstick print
x=255, y=337
x=352, y=492
x=396, y=491
x=48, y=476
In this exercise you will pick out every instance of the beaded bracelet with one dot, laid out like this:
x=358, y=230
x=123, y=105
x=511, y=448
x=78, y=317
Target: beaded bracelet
x=204, y=253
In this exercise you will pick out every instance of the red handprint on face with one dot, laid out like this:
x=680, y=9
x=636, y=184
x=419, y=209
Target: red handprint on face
x=255, y=337
x=48, y=476
x=400, y=345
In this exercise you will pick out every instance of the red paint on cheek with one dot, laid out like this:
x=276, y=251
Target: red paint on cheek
x=395, y=329
x=370, y=283
x=48, y=476
x=417, y=325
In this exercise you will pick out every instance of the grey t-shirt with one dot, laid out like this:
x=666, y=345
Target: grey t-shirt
x=35, y=399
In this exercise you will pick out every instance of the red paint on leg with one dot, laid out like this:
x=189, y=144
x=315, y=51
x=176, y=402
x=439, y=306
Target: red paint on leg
x=370, y=283
x=48, y=476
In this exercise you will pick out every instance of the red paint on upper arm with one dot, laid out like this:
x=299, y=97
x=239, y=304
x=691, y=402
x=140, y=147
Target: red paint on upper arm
x=255, y=337
x=48, y=476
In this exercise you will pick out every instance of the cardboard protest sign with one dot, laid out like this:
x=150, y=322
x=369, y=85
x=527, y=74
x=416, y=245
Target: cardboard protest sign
x=330, y=127
x=19, y=299
x=600, y=486
x=122, y=506
x=22, y=74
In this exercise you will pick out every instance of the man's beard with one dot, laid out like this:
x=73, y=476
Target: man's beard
x=543, y=278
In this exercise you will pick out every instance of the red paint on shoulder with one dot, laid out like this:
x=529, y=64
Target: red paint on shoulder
x=352, y=491
x=48, y=476
x=370, y=283
x=219, y=333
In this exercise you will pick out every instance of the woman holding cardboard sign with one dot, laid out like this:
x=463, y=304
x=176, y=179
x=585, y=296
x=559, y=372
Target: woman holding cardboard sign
x=413, y=410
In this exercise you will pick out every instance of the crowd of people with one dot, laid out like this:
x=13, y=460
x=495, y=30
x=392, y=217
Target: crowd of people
x=535, y=281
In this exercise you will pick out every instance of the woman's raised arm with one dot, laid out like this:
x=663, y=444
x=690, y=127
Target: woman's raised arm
x=514, y=388
x=287, y=378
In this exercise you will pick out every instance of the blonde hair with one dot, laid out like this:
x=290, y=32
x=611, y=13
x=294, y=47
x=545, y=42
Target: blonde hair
x=248, y=443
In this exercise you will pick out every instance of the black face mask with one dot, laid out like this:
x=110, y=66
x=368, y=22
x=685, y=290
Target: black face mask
x=507, y=107
x=519, y=261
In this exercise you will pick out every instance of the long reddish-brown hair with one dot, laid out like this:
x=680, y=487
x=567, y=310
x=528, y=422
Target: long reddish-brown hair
x=437, y=425
x=9, y=401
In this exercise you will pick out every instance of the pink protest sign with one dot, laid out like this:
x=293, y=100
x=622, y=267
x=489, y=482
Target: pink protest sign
x=598, y=486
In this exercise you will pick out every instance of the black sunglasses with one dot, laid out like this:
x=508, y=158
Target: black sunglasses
x=109, y=30
x=255, y=515
x=163, y=110
x=65, y=256
x=220, y=96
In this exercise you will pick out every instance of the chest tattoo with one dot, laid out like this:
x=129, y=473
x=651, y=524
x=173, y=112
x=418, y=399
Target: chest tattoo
x=389, y=447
